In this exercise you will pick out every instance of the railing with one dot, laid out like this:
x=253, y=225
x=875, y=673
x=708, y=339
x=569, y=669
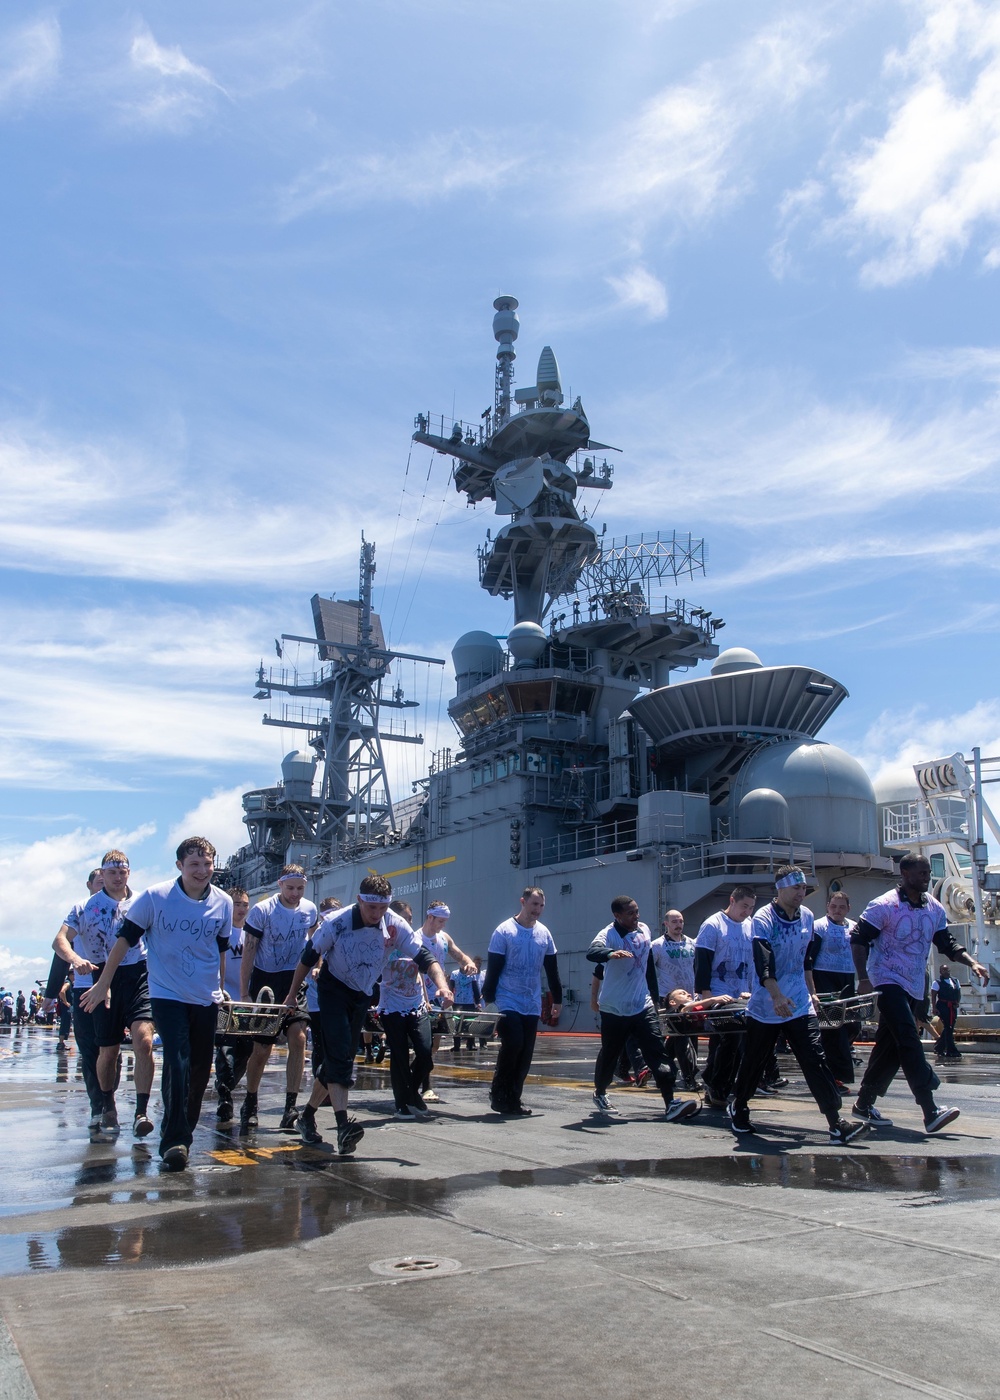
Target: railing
x=735, y=858
x=590, y=842
x=902, y=823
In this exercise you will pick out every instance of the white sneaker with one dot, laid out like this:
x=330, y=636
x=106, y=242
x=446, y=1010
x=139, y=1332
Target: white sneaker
x=678, y=1109
x=429, y=1096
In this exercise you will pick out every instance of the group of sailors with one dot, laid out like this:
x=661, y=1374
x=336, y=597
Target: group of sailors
x=167, y=956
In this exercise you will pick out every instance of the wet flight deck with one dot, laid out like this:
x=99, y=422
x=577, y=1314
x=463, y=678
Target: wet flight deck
x=560, y=1255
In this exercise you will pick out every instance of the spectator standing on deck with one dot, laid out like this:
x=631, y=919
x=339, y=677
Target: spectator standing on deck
x=891, y=943
x=946, y=997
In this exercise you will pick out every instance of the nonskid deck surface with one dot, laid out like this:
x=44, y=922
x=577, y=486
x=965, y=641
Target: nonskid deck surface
x=565, y=1255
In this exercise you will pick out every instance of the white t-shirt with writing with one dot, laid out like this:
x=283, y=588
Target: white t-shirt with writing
x=729, y=943
x=282, y=932
x=520, y=986
x=183, y=940
x=100, y=925
x=673, y=959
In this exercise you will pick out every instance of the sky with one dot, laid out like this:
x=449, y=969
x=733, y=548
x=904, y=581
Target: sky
x=245, y=243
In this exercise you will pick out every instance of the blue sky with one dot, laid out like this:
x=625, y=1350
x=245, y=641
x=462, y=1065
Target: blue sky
x=245, y=243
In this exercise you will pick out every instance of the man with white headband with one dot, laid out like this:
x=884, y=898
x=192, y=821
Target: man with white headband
x=440, y=944
x=356, y=945
x=127, y=1005
x=891, y=943
x=276, y=931
x=782, y=1002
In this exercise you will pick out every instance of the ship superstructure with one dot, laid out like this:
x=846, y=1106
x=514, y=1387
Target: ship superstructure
x=582, y=763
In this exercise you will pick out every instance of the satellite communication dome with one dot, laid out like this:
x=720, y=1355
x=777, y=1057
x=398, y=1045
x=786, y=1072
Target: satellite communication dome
x=736, y=659
x=526, y=642
x=763, y=814
x=830, y=798
x=297, y=771
x=477, y=657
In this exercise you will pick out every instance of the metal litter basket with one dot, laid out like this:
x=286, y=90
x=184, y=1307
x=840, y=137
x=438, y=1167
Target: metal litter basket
x=239, y=1021
x=479, y=1024
x=718, y=1020
x=863, y=1009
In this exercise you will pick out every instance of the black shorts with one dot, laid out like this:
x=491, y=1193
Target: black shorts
x=280, y=984
x=129, y=1003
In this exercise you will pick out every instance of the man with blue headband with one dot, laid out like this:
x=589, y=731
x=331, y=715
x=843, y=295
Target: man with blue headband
x=782, y=994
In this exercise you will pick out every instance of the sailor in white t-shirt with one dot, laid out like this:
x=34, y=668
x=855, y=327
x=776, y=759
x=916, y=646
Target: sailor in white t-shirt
x=519, y=950
x=67, y=958
x=833, y=976
x=722, y=969
x=673, y=960
x=186, y=925
x=277, y=929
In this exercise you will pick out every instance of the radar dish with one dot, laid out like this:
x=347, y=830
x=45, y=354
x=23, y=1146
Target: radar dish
x=516, y=486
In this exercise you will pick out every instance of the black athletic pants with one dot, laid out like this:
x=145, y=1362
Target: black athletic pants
x=187, y=1034
x=724, y=1053
x=898, y=1047
x=230, y=1065
x=838, y=1040
x=645, y=1027
x=802, y=1034
x=403, y=1029
x=86, y=1047
x=517, y=1045
x=948, y=1011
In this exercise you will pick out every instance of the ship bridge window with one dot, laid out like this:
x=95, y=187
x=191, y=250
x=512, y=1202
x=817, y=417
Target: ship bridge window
x=465, y=719
x=502, y=768
x=530, y=697
x=937, y=866
x=573, y=699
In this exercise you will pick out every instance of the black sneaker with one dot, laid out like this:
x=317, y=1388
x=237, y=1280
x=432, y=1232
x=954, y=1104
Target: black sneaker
x=109, y=1120
x=713, y=1100
x=679, y=1109
x=348, y=1137
x=846, y=1131
x=248, y=1117
x=939, y=1119
x=142, y=1125
x=175, y=1159
x=380, y=1052
x=603, y=1105
x=418, y=1109
x=224, y=1112
x=288, y=1120
x=521, y=1110
x=869, y=1114
x=739, y=1120
x=308, y=1131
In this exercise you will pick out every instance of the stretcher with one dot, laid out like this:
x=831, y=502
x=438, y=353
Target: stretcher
x=731, y=1019
x=240, y=1021
x=479, y=1024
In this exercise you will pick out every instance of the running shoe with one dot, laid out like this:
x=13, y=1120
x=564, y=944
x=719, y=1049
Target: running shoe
x=739, y=1120
x=248, y=1117
x=869, y=1114
x=521, y=1110
x=643, y=1076
x=693, y=1086
x=380, y=1052
x=142, y=1125
x=417, y=1108
x=604, y=1105
x=175, y=1159
x=224, y=1112
x=846, y=1132
x=713, y=1100
x=940, y=1118
x=288, y=1120
x=679, y=1109
x=348, y=1137
x=109, y=1120
x=429, y=1096
x=96, y=1114
x=308, y=1131
x=404, y=1115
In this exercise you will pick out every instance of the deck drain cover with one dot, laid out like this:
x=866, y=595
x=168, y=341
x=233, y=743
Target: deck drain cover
x=414, y=1266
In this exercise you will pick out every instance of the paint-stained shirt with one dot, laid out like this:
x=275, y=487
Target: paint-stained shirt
x=624, y=990
x=99, y=926
x=183, y=939
x=519, y=987
x=358, y=956
x=673, y=959
x=729, y=943
x=789, y=940
x=282, y=932
x=835, y=947
x=905, y=934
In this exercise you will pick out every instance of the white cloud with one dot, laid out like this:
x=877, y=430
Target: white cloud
x=62, y=512
x=900, y=738
x=688, y=154
x=640, y=289
x=19, y=973
x=928, y=187
x=434, y=168
x=172, y=92
x=40, y=881
x=219, y=817
x=31, y=59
